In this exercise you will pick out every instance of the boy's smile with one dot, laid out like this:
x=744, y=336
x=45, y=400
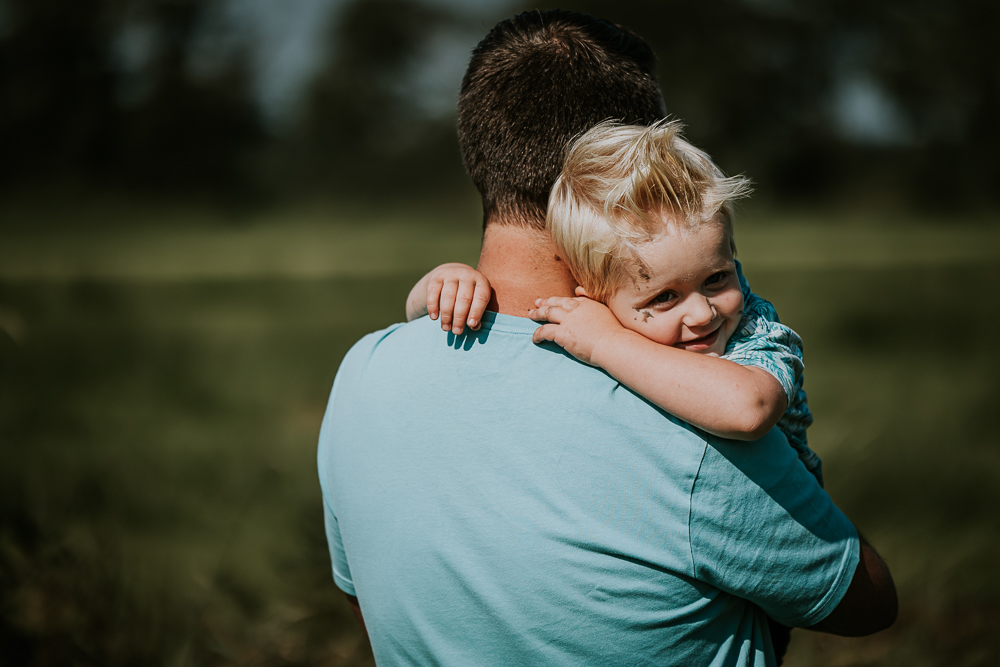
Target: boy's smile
x=691, y=299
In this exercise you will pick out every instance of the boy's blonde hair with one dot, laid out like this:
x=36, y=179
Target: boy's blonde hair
x=619, y=186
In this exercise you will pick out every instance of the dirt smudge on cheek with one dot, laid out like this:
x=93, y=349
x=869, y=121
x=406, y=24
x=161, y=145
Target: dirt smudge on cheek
x=645, y=314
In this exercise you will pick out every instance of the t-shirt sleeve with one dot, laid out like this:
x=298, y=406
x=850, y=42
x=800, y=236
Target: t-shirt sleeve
x=332, y=442
x=341, y=571
x=338, y=557
x=762, y=341
x=762, y=529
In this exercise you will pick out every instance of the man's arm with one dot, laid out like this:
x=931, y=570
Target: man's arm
x=870, y=604
x=356, y=608
x=763, y=530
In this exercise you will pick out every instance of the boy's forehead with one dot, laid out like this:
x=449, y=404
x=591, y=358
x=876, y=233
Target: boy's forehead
x=681, y=234
x=671, y=224
x=678, y=249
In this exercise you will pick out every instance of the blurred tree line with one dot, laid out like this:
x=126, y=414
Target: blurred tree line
x=819, y=100
x=102, y=92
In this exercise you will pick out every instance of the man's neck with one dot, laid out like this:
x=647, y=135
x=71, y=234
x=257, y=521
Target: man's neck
x=522, y=265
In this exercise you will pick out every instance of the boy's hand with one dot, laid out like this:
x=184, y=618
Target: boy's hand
x=458, y=294
x=576, y=324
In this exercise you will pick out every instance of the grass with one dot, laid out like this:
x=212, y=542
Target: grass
x=162, y=385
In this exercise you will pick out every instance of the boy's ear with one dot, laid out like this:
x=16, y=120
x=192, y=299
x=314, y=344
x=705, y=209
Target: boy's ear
x=581, y=292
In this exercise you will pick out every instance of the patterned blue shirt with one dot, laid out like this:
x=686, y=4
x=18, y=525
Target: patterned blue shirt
x=762, y=341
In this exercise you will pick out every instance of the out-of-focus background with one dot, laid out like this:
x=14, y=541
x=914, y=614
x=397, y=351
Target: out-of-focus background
x=203, y=204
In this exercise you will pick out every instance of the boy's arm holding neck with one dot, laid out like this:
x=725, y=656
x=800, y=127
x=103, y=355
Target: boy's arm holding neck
x=522, y=265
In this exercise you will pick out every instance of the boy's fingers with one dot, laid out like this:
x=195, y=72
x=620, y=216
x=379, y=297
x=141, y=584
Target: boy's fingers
x=564, y=302
x=480, y=300
x=463, y=302
x=448, y=292
x=433, y=297
x=544, y=333
x=546, y=314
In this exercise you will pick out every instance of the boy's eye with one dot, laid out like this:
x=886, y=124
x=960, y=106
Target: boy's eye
x=666, y=297
x=716, y=278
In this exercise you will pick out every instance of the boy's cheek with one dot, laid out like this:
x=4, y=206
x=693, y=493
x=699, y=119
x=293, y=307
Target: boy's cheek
x=732, y=302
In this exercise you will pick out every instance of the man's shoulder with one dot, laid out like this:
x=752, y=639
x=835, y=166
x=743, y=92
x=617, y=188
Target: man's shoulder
x=393, y=337
x=499, y=361
x=365, y=346
x=418, y=351
x=425, y=335
x=398, y=332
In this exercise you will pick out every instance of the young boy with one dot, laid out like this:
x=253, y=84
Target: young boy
x=644, y=221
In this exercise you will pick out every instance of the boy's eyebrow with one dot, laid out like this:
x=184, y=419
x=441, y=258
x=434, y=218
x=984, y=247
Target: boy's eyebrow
x=653, y=290
x=668, y=284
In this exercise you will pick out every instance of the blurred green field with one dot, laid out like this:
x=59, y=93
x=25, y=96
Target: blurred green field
x=162, y=386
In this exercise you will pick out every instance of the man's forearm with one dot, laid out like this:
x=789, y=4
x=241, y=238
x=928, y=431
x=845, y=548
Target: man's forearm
x=356, y=609
x=870, y=604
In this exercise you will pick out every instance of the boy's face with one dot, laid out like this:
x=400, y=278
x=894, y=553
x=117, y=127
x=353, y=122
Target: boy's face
x=691, y=299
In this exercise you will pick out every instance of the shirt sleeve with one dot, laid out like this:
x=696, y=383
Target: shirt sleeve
x=762, y=529
x=332, y=444
x=762, y=341
x=341, y=570
x=338, y=556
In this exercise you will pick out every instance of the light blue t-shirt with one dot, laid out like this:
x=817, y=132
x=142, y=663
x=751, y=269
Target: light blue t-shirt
x=495, y=502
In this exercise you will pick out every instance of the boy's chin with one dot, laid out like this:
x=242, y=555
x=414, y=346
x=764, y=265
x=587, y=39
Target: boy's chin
x=716, y=349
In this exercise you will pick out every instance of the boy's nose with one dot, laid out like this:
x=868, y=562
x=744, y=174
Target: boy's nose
x=700, y=312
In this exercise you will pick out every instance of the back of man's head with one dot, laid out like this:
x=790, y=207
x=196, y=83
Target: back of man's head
x=536, y=81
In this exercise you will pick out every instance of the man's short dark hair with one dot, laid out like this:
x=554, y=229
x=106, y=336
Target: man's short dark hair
x=534, y=83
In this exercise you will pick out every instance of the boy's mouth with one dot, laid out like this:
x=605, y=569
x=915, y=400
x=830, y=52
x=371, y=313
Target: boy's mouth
x=699, y=344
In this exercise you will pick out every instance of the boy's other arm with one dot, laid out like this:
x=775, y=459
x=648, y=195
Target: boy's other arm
x=416, y=302
x=870, y=604
x=716, y=395
x=456, y=292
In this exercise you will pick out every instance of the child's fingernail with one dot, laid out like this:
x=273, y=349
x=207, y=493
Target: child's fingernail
x=472, y=322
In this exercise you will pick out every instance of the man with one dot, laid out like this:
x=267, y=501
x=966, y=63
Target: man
x=493, y=502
